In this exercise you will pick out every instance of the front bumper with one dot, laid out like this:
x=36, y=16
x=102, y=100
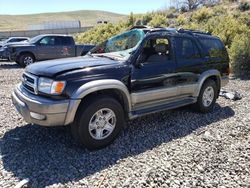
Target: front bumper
x=4, y=54
x=1, y=53
x=53, y=112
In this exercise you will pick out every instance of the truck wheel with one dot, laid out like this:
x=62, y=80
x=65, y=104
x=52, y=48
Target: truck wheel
x=26, y=59
x=207, y=97
x=98, y=122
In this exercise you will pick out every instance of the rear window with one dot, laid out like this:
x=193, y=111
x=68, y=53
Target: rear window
x=65, y=41
x=213, y=47
x=186, y=49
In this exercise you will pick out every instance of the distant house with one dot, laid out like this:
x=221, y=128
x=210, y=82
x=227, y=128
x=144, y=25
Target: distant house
x=56, y=25
x=102, y=22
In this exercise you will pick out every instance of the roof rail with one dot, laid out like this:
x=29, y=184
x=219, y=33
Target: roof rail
x=166, y=29
x=140, y=27
x=190, y=31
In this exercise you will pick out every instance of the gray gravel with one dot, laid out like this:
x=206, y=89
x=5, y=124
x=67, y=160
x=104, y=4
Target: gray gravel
x=176, y=148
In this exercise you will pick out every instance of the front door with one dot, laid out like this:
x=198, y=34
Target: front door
x=155, y=78
x=47, y=48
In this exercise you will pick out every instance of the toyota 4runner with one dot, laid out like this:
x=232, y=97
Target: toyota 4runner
x=141, y=71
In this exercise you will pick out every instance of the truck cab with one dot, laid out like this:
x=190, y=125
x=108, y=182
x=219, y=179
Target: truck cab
x=141, y=71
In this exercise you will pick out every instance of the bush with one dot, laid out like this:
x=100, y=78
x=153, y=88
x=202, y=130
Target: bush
x=202, y=14
x=146, y=19
x=100, y=33
x=240, y=54
x=226, y=27
x=244, y=6
x=158, y=21
x=181, y=20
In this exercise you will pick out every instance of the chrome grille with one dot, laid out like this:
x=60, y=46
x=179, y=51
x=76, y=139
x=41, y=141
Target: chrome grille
x=29, y=83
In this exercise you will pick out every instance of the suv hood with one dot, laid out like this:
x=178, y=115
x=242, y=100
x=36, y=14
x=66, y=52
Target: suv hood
x=17, y=44
x=59, y=66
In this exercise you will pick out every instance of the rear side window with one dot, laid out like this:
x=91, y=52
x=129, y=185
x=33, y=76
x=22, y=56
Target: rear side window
x=186, y=49
x=67, y=41
x=213, y=47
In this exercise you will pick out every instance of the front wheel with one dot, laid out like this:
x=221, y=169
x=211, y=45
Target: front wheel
x=26, y=59
x=98, y=122
x=207, y=97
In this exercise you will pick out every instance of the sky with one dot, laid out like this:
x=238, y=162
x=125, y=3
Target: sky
x=40, y=6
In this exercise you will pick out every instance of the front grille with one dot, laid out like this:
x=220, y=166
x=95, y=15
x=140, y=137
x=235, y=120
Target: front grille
x=29, y=83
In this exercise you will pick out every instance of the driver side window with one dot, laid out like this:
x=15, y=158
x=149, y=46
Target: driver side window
x=48, y=41
x=156, y=50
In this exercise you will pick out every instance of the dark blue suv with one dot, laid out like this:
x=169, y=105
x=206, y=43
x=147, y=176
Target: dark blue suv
x=142, y=71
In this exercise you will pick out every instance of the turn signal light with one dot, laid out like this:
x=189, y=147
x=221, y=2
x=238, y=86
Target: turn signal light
x=58, y=87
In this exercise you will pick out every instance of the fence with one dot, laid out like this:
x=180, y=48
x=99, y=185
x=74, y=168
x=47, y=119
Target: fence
x=32, y=33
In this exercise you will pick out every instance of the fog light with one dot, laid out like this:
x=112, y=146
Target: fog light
x=37, y=116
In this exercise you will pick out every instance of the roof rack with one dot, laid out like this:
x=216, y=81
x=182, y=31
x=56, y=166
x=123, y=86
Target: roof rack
x=170, y=30
x=190, y=31
x=140, y=27
x=166, y=29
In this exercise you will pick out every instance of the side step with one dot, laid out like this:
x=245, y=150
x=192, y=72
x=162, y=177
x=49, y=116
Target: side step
x=163, y=106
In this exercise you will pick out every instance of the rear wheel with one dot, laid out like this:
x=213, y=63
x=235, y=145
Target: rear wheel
x=98, y=122
x=207, y=97
x=26, y=59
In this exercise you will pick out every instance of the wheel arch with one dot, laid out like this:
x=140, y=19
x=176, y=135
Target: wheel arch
x=27, y=52
x=109, y=87
x=210, y=74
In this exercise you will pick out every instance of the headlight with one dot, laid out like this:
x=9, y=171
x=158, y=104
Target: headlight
x=49, y=86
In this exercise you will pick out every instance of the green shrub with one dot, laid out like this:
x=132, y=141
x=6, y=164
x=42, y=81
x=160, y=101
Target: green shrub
x=181, y=20
x=202, y=14
x=158, y=21
x=225, y=27
x=244, y=6
x=240, y=54
x=100, y=33
x=146, y=19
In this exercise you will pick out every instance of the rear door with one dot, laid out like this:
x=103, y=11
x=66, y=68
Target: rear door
x=190, y=64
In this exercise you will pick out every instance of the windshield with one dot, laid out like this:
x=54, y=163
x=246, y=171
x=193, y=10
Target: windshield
x=121, y=46
x=35, y=39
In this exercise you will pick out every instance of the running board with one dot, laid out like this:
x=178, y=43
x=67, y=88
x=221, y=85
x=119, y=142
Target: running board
x=162, y=107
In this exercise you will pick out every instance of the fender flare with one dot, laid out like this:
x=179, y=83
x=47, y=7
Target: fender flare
x=204, y=76
x=94, y=86
x=26, y=52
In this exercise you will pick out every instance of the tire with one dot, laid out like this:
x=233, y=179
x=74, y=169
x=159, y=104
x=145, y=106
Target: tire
x=26, y=59
x=89, y=130
x=207, y=97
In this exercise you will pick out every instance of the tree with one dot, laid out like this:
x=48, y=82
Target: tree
x=193, y=4
x=131, y=20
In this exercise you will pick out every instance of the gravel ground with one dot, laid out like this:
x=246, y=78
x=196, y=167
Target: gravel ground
x=176, y=148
